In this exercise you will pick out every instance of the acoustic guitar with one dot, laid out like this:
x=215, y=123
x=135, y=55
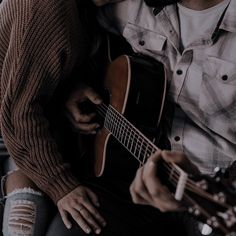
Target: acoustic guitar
x=137, y=89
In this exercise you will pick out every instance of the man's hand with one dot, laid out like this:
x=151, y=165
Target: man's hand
x=148, y=190
x=83, y=122
x=81, y=204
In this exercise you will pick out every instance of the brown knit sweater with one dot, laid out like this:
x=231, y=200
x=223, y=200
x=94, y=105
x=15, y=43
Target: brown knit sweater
x=40, y=43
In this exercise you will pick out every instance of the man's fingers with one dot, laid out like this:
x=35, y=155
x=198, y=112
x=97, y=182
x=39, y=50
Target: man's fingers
x=64, y=217
x=181, y=160
x=172, y=156
x=160, y=194
x=138, y=199
x=152, y=182
x=155, y=157
x=164, y=200
x=138, y=189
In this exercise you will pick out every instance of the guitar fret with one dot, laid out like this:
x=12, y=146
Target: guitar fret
x=115, y=125
x=136, y=146
x=128, y=136
x=132, y=141
x=123, y=140
x=145, y=154
x=109, y=121
x=149, y=151
x=112, y=123
x=140, y=148
x=133, y=148
x=119, y=127
x=124, y=133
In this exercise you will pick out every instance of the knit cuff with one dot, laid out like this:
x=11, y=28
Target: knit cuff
x=60, y=186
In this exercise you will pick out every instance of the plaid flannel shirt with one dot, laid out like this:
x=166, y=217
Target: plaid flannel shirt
x=202, y=78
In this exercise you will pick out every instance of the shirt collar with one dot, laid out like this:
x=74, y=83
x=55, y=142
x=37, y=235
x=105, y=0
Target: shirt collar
x=229, y=21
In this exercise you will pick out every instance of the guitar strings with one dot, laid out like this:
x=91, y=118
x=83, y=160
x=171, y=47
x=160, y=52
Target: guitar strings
x=132, y=132
x=151, y=151
x=175, y=175
x=192, y=187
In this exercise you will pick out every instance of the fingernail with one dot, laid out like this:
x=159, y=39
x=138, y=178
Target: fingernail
x=97, y=204
x=98, y=231
x=104, y=223
x=68, y=226
x=88, y=231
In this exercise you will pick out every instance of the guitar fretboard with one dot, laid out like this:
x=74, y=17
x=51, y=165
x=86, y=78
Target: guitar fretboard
x=130, y=137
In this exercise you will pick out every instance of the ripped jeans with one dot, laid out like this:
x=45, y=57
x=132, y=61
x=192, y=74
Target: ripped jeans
x=27, y=212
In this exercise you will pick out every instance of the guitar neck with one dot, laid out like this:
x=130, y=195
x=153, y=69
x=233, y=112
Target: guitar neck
x=139, y=145
x=129, y=136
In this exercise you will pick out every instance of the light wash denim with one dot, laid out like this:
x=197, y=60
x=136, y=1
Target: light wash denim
x=26, y=214
x=26, y=211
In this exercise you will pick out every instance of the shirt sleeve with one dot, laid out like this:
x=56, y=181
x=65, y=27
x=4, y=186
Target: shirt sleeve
x=40, y=55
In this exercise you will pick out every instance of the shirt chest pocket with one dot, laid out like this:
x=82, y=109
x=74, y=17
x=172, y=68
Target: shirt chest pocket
x=218, y=88
x=143, y=40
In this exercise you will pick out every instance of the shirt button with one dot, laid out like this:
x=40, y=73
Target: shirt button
x=177, y=138
x=224, y=77
x=155, y=11
x=179, y=72
x=141, y=42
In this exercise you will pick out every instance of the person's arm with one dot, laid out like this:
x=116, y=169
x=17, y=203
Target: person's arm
x=46, y=43
x=40, y=54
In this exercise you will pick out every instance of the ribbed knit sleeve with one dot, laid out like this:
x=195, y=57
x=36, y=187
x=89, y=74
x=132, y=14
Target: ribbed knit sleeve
x=40, y=44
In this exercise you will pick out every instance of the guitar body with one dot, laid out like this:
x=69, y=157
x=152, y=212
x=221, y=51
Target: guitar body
x=136, y=88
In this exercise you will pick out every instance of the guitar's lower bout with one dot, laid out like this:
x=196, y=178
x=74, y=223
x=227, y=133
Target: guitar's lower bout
x=137, y=87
